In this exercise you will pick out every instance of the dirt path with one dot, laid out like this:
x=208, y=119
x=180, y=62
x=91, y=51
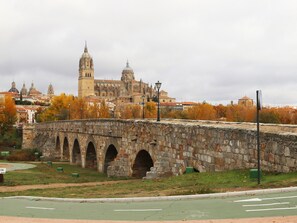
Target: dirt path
x=291, y=219
x=2, y=165
x=57, y=185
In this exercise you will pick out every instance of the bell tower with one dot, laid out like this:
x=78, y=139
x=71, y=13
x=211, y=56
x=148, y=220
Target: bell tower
x=86, y=75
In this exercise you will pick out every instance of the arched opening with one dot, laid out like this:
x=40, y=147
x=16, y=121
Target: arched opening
x=65, y=150
x=57, y=149
x=76, y=155
x=142, y=164
x=58, y=144
x=91, y=158
x=110, y=155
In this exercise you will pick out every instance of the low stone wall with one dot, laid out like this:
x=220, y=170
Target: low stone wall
x=172, y=144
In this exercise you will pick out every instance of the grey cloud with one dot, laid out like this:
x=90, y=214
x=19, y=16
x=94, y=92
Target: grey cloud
x=201, y=50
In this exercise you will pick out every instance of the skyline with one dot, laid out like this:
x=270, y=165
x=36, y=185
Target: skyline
x=214, y=51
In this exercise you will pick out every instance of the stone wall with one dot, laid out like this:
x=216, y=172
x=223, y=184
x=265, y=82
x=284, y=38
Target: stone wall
x=172, y=145
x=28, y=136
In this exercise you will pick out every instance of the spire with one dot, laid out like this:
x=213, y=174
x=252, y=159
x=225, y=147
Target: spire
x=127, y=64
x=50, y=90
x=86, y=47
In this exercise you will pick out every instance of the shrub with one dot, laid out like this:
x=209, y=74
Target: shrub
x=22, y=155
x=11, y=139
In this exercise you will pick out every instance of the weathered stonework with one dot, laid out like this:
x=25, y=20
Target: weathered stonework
x=28, y=136
x=166, y=147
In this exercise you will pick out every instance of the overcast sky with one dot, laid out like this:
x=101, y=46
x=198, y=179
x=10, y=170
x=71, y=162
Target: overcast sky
x=214, y=50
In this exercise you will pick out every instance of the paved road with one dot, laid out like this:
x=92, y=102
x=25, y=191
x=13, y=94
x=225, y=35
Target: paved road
x=280, y=204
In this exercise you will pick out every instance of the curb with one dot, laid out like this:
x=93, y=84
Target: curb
x=161, y=198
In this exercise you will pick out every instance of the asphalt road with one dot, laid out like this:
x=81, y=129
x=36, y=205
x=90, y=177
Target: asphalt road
x=279, y=204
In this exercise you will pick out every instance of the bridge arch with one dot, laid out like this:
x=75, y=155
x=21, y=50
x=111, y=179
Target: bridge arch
x=91, y=156
x=65, y=155
x=110, y=155
x=58, y=148
x=142, y=164
x=76, y=153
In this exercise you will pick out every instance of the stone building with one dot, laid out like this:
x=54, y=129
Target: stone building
x=246, y=101
x=125, y=90
x=50, y=91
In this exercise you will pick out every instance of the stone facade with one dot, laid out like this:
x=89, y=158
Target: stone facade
x=246, y=101
x=125, y=90
x=144, y=148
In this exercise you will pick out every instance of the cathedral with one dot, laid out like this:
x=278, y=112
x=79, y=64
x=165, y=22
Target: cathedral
x=125, y=90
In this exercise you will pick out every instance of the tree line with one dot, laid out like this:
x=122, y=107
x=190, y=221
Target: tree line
x=65, y=107
x=68, y=107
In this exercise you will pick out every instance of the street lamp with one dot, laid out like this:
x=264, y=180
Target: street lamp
x=158, y=86
x=143, y=97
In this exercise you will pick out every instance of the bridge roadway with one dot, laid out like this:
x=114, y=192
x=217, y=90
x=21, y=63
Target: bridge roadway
x=146, y=148
x=245, y=208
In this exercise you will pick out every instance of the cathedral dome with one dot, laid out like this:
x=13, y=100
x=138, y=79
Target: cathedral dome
x=33, y=91
x=13, y=88
x=127, y=73
x=128, y=69
x=24, y=90
x=86, y=61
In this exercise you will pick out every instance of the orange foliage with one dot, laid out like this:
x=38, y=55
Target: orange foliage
x=7, y=114
x=68, y=107
x=130, y=111
x=202, y=111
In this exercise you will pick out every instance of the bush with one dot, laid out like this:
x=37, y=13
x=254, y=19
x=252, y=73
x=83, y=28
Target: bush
x=22, y=155
x=11, y=139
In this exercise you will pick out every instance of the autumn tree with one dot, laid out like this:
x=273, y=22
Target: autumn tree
x=129, y=111
x=240, y=113
x=7, y=115
x=269, y=115
x=150, y=110
x=202, y=111
x=103, y=110
x=61, y=108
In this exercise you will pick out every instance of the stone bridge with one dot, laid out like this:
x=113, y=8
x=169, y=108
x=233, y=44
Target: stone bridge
x=146, y=148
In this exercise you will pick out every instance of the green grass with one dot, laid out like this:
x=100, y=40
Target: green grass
x=45, y=174
x=194, y=183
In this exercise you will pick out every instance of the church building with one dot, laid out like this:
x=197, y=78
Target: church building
x=125, y=90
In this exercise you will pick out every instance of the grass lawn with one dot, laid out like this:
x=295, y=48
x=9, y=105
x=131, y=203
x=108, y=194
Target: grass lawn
x=194, y=183
x=45, y=174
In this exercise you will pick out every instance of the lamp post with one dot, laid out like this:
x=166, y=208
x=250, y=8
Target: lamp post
x=143, y=97
x=158, y=85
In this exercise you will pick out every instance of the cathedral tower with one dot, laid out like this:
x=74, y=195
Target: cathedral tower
x=86, y=75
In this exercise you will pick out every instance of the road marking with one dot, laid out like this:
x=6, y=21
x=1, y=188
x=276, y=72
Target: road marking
x=272, y=209
x=265, y=199
x=135, y=210
x=41, y=208
x=259, y=205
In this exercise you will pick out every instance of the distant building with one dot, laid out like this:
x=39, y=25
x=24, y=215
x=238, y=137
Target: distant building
x=246, y=101
x=26, y=113
x=125, y=90
x=32, y=95
x=13, y=88
x=181, y=106
x=50, y=91
x=27, y=101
